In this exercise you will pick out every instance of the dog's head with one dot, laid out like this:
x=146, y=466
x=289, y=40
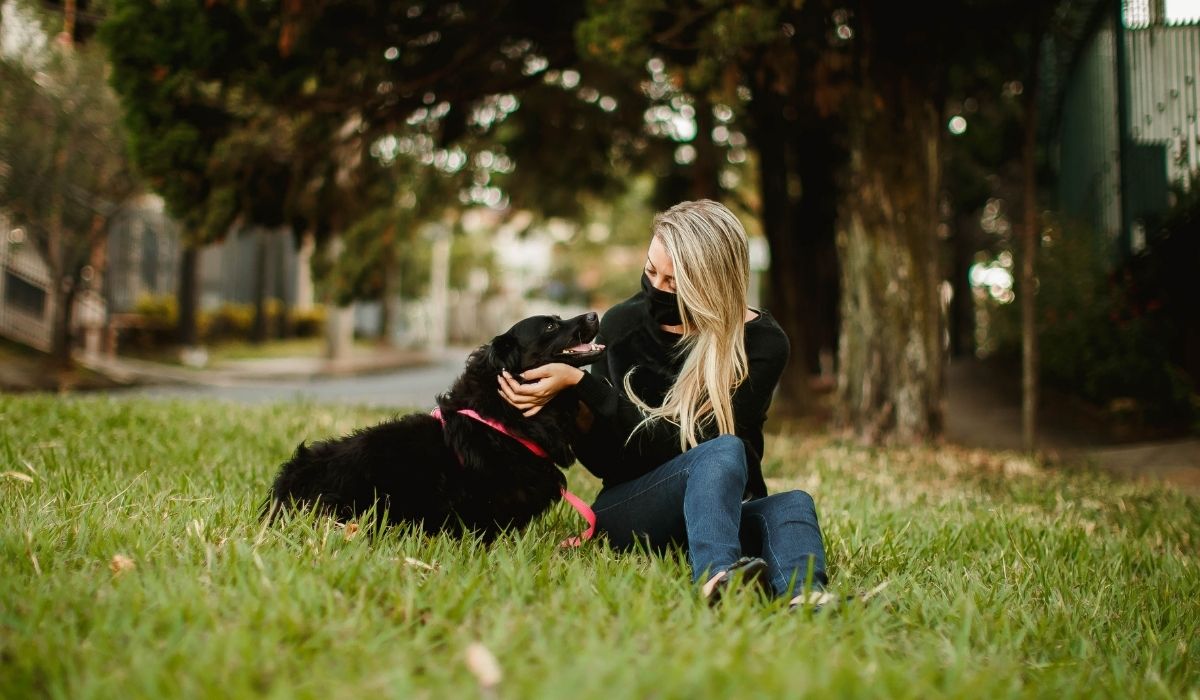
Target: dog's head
x=539, y=340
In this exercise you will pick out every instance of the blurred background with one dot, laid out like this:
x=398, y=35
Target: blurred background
x=974, y=215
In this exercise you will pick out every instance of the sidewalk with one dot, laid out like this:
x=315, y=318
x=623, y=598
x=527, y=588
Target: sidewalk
x=984, y=410
x=236, y=372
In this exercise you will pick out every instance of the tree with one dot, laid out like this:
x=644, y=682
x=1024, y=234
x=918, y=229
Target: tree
x=902, y=59
x=323, y=85
x=766, y=64
x=1001, y=85
x=63, y=171
x=210, y=153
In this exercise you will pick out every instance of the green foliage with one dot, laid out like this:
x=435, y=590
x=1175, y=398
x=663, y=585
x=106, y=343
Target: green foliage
x=159, y=316
x=308, y=323
x=1161, y=278
x=601, y=270
x=167, y=59
x=1005, y=579
x=1095, y=339
x=158, y=310
x=230, y=321
x=705, y=38
x=154, y=326
x=63, y=172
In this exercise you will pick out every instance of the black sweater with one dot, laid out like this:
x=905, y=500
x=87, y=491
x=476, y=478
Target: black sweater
x=634, y=340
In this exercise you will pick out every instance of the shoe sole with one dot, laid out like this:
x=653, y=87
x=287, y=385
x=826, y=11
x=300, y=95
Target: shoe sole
x=753, y=572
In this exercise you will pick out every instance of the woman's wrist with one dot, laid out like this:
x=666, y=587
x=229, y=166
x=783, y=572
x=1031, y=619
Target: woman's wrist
x=576, y=376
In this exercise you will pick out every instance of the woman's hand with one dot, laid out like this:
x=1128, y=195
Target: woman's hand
x=544, y=384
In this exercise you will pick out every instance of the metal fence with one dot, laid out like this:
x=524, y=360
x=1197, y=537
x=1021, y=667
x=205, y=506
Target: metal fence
x=1128, y=130
x=1164, y=63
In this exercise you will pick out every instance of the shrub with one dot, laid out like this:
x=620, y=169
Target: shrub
x=308, y=323
x=227, y=322
x=158, y=311
x=159, y=317
x=1096, y=338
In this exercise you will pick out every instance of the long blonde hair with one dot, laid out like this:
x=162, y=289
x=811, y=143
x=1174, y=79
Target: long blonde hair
x=708, y=249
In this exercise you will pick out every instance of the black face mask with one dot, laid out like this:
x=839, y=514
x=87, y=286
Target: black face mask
x=664, y=306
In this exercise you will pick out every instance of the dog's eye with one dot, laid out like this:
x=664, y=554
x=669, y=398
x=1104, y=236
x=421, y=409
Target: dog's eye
x=552, y=326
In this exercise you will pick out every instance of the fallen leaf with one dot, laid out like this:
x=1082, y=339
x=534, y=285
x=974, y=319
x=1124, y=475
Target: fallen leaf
x=483, y=665
x=121, y=563
x=351, y=530
x=420, y=564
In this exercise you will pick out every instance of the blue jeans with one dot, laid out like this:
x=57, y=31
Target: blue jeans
x=695, y=500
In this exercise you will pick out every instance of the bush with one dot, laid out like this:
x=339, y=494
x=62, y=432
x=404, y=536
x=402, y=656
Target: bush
x=308, y=323
x=229, y=321
x=1096, y=338
x=159, y=318
x=158, y=311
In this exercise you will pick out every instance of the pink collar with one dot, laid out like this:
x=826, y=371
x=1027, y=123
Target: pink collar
x=576, y=502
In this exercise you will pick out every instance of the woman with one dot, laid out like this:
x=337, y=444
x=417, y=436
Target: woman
x=672, y=416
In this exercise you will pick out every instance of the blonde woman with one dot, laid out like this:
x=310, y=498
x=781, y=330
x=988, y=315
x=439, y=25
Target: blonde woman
x=672, y=416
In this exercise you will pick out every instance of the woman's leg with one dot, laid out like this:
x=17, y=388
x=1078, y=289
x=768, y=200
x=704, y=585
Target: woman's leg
x=784, y=528
x=694, y=499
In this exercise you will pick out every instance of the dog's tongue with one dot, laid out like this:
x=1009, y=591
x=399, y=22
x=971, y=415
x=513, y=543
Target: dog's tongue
x=584, y=347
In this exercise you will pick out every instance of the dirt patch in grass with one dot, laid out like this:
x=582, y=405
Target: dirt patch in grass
x=24, y=370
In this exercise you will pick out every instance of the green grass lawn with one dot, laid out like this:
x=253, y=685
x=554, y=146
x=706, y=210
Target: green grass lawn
x=133, y=565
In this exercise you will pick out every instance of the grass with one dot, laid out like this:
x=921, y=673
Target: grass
x=287, y=347
x=1005, y=579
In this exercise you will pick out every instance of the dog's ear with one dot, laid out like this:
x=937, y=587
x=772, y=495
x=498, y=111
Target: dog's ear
x=504, y=353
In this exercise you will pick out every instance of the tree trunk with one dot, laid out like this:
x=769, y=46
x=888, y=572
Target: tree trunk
x=305, y=294
x=61, y=288
x=283, y=317
x=785, y=297
x=339, y=320
x=816, y=159
x=705, y=184
x=387, y=292
x=63, y=312
x=439, y=289
x=961, y=319
x=187, y=329
x=259, y=331
x=890, y=373
x=1027, y=289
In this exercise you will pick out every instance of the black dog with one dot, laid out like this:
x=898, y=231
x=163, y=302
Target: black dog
x=463, y=475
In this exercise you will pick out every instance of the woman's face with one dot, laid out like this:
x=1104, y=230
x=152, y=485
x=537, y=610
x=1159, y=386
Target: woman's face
x=659, y=268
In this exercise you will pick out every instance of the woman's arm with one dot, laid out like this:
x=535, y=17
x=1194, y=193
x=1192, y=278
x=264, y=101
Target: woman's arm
x=541, y=385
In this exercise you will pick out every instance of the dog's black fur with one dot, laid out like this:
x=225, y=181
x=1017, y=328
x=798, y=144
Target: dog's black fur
x=464, y=476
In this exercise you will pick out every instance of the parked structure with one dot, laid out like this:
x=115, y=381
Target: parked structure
x=1128, y=128
x=26, y=305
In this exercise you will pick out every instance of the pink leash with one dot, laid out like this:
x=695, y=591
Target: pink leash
x=576, y=502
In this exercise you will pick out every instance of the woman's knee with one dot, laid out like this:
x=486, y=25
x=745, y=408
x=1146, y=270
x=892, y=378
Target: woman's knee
x=724, y=454
x=799, y=501
x=725, y=444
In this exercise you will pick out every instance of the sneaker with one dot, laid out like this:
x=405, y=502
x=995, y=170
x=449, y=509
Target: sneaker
x=752, y=570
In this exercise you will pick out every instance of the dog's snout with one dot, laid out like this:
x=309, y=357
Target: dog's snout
x=591, y=317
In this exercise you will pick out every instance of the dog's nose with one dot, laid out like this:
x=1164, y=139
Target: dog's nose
x=591, y=317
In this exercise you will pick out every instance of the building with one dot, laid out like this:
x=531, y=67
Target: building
x=1128, y=130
